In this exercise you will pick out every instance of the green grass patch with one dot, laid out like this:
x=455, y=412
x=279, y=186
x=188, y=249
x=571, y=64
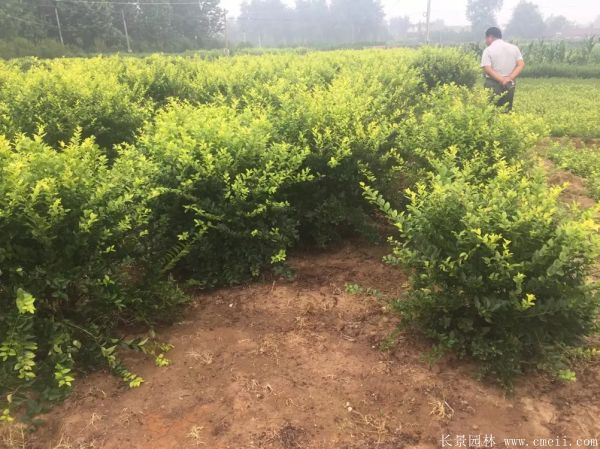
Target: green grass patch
x=569, y=107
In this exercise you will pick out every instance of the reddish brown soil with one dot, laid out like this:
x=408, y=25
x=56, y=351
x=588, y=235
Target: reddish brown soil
x=575, y=190
x=297, y=365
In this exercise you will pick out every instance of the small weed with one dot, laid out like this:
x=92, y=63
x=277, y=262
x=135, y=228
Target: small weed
x=353, y=289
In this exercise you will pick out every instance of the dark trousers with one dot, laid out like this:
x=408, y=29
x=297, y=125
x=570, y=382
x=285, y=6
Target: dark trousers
x=504, y=96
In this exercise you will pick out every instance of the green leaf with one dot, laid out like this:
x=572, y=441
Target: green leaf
x=25, y=302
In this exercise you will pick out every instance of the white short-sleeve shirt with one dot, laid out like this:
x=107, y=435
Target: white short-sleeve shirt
x=502, y=56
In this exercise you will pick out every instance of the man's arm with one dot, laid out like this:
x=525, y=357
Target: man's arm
x=493, y=74
x=517, y=71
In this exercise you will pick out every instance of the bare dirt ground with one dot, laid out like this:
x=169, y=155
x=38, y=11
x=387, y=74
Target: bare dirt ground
x=296, y=364
x=575, y=191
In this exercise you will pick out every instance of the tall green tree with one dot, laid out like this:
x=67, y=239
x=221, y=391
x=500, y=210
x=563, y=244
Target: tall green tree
x=312, y=22
x=266, y=22
x=25, y=18
x=197, y=24
x=482, y=15
x=526, y=22
x=398, y=27
x=149, y=25
x=97, y=25
x=555, y=25
x=88, y=24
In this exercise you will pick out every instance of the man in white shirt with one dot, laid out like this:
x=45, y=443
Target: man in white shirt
x=502, y=63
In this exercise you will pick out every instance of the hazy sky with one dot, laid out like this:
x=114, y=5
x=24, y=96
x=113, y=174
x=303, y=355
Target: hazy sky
x=453, y=11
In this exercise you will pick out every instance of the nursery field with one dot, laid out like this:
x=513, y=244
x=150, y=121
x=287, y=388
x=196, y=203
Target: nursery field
x=350, y=249
x=570, y=107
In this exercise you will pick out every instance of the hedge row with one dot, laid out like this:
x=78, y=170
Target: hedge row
x=208, y=173
x=587, y=71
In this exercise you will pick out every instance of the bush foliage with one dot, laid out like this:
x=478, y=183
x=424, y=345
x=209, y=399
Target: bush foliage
x=74, y=234
x=57, y=98
x=121, y=178
x=444, y=66
x=452, y=116
x=500, y=271
x=222, y=214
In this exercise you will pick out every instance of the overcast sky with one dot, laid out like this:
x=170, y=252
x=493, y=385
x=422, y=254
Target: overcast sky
x=453, y=11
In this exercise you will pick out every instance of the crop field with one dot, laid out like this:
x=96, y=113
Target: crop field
x=346, y=250
x=569, y=106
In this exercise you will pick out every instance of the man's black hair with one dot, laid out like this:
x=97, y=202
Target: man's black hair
x=494, y=32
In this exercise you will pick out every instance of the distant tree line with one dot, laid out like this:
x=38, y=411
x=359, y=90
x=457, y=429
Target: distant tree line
x=273, y=23
x=311, y=22
x=178, y=25
x=527, y=21
x=172, y=25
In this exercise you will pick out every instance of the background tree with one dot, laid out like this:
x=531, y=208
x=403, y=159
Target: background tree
x=24, y=18
x=482, y=15
x=150, y=26
x=87, y=24
x=526, y=22
x=357, y=20
x=197, y=23
x=398, y=27
x=311, y=22
x=555, y=25
x=266, y=22
x=97, y=25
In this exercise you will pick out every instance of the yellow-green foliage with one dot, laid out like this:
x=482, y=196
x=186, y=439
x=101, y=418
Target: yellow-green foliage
x=444, y=66
x=207, y=172
x=452, y=116
x=217, y=167
x=223, y=205
x=59, y=96
x=76, y=261
x=499, y=268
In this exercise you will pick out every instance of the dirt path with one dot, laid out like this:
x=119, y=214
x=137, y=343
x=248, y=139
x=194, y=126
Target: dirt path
x=296, y=364
x=575, y=190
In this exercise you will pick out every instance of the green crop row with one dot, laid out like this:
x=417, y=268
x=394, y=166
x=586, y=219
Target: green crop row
x=586, y=51
x=568, y=106
x=554, y=70
x=561, y=52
